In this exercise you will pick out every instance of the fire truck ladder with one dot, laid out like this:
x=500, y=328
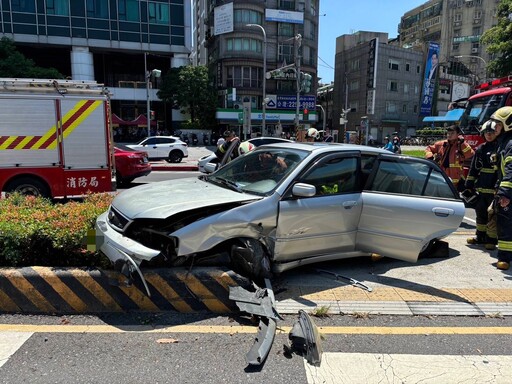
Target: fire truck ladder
x=53, y=85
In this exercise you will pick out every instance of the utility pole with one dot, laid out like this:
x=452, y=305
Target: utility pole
x=298, y=42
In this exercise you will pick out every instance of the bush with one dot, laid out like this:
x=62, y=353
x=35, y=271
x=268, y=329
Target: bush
x=34, y=231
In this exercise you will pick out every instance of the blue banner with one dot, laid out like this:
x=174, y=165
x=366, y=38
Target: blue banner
x=429, y=79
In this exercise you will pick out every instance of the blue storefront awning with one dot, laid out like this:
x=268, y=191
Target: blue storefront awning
x=451, y=116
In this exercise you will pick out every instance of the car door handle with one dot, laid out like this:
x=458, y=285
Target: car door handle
x=155, y=147
x=443, y=212
x=349, y=204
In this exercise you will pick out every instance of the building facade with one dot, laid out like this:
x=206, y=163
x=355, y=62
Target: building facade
x=115, y=42
x=456, y=25
x=244, y=44
x=375, y=84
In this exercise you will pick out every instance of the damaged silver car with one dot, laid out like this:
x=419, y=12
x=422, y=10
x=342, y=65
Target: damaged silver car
x=282, y=206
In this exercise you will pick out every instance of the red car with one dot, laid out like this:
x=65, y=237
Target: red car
x=130, y=164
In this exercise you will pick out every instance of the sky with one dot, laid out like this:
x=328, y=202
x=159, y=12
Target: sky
x=348, y=16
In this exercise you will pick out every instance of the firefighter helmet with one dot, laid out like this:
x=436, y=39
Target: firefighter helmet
x=245, y=147
x=504, y=116
x=313, y=132
x=489, y=125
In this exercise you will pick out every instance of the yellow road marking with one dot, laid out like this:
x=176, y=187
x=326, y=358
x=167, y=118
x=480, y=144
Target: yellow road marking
x=241, y=329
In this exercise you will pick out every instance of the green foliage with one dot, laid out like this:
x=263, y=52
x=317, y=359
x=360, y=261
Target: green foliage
x=190, y=89
x=34, y=231
x=498, y=41
x=429, y=132
x=14, y=64
x=414, y=152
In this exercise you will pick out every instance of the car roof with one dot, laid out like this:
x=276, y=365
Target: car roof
x=329, y=147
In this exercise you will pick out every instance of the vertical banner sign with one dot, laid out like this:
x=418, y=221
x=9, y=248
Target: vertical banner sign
x=372, y=76
x=429, y=79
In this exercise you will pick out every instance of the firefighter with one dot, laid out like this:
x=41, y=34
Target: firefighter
x=481, y=181
x=230, y=138
x=503, y=119
x=312, y=134
x=450, y=154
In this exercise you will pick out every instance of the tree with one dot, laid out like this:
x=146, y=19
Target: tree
x=498, y=41
x=189, y=88
x=14, y=64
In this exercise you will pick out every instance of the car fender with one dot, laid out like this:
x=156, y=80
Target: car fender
x=257, y=220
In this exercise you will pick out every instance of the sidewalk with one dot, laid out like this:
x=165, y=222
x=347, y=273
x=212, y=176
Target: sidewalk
x=187, y=164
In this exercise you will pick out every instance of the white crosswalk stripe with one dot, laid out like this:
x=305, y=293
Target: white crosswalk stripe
x=368, y=368
x=10, y=342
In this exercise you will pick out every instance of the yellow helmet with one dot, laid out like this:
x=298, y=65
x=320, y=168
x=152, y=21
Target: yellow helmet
x=503, y=115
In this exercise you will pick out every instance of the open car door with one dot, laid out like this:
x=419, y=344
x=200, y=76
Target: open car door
x=403, y=199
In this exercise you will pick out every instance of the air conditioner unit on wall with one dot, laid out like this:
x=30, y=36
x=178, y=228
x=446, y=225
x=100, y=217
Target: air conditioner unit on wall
x=476, y=21
x=474, y=50
x=457, y=24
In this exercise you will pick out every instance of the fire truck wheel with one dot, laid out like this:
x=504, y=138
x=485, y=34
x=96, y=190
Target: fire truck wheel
x=175, y=157
x=29, y=186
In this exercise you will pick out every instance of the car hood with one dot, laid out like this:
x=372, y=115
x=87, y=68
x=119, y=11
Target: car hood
x=166, y=198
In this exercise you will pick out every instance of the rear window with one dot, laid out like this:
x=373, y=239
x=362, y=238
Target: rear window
x=125, y=148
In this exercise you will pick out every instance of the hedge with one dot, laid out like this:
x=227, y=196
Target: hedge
x=36, y=231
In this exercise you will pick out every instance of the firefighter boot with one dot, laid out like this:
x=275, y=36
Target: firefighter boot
x=479, y=239
x=503, y=260
x=490, y=243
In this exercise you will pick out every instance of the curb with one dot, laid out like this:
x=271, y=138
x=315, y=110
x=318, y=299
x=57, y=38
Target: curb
x=189, y=168
x=80, y=291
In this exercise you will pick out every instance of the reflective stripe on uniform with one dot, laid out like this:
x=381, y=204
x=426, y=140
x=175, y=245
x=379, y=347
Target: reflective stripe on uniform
x=505, y=245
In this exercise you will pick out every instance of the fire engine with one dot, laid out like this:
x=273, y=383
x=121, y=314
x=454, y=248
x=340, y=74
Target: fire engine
x=55, y=137
x=491, y=96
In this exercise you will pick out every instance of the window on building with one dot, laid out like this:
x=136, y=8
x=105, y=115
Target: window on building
x=406, y=87
x=287, y=4
x=244, y=44
x=158, y=13
x=390, y=107
x=285, y=29
x=392, y=85
x=407, y=67
x=404, y=108
x=478, y=14
x=456, y=33
x=286, y=53
x=415, y=109
x=418, y=69
x=416, y=89
x=457, y=17
x=354, y=85
x=247, y=16
x=57, y=7
x=128, y=10
x=477, y=31
x=97, y=9
x=23, y=5
x=244, y=76
x=455, y=47
x=355, y=64
x=394, y=65
x=478, y=2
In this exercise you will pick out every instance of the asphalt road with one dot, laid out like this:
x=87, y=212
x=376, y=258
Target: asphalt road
x=140, y=347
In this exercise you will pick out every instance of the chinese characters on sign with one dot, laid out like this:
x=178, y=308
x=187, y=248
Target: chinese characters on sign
x=290, y=102
x=81, y=182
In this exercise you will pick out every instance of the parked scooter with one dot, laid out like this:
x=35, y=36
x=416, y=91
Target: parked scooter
x=195, y=140
x=185, y=138
x=205, y=139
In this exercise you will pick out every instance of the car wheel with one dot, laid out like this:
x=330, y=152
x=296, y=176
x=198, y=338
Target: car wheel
x=29, y=186
x=175, y=157
x=121, y=181
x=250, y=258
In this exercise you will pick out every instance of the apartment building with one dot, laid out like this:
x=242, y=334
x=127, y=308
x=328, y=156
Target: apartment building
x=115, y=42
x=244, y=43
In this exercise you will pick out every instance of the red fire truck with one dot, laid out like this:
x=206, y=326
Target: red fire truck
x=55, y=137
x=479, y=107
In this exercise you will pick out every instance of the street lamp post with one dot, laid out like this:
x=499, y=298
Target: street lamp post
x=148, y=74
x=475, y=57
x=323, y=116
x=264, y=105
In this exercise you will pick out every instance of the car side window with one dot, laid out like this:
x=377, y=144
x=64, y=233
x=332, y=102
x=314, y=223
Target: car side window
x=333, y=176
x=410, y=178
x=150, y=141
x=163, y=140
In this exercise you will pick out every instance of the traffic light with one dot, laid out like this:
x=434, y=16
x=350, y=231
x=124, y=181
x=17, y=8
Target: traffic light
x=306, y=114
x=305, y=84
x=152, y=114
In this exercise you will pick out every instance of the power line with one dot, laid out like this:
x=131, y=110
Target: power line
x=326, y=63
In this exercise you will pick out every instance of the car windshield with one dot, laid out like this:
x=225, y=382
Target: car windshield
x=259, y=171
x=479, y=110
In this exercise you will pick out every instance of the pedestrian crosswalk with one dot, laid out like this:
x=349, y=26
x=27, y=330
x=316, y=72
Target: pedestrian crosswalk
x=370, y=368
x=10, y=342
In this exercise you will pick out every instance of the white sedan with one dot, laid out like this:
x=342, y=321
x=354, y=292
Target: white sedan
x=285, y=205
x=169, y=148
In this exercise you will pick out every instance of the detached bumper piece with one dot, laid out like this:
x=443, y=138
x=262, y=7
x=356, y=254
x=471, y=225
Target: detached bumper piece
x=260, y=303
x=305, y=339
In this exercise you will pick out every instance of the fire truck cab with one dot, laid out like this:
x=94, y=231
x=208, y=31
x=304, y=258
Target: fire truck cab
x=55, y=138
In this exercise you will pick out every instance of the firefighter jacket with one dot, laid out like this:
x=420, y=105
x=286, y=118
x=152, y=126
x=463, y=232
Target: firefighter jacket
x=450, y=157
x=483, y=172
x=504, y=157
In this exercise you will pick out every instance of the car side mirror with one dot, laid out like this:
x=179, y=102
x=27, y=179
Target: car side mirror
x=303, y=190
x=211, y=167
